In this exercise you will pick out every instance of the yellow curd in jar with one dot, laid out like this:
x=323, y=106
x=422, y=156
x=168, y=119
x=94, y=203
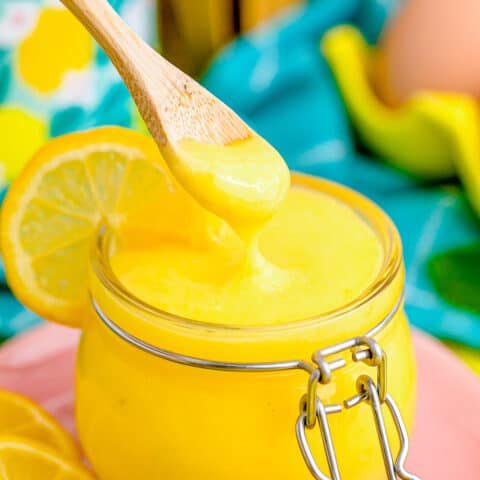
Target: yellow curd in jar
x=301, y=268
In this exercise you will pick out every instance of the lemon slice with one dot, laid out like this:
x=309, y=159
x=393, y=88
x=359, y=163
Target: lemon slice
x=53, y=210
x=25, y=459
x=25, y=419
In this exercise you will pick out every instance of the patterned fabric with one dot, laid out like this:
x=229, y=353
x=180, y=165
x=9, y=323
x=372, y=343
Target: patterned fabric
x=278, y=81
x=54, y=79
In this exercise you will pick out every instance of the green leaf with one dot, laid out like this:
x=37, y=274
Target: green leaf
x=456, y=276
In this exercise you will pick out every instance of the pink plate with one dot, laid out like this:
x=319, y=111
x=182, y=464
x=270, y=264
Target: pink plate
x=446, y=444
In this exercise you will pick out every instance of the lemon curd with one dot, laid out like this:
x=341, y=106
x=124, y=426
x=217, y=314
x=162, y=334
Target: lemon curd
x=291, y=271
x=301, y=266
x=243, y=182
x=293, y=268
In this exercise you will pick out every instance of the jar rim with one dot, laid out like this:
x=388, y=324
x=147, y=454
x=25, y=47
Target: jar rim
x=380, y=223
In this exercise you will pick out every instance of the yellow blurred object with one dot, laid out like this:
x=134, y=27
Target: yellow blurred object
x=22, y=459
x=22, y=135
x=21, y=417
x=432, y=135
x=470, y=356
x=191, y=32
x=409, y=137
x=44, y=58
x=254, y=12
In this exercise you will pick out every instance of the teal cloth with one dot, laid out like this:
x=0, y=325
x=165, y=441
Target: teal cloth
x=277, y=80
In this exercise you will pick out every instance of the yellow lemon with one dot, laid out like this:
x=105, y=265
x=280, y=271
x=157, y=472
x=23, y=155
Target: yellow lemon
x=23, y=418
x=53, y=209
x=22, y=459
x=58, y=43
x=22, y=136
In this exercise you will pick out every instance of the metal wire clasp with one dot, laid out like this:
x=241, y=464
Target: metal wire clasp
x=312, y=409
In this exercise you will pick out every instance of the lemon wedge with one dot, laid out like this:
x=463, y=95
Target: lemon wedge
x=53, y=209
x=25, y=419
x=22, y=459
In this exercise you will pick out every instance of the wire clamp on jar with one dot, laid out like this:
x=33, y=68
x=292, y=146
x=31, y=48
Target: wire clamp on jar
x=312, y=409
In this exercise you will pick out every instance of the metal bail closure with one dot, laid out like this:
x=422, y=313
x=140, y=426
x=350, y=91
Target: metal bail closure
x=395, y=469
x=321, y=415
x=312, y=409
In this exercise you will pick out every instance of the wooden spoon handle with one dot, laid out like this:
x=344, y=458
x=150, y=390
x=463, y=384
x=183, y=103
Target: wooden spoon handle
x=133, y=58
x=123, y=46
x=173, y=105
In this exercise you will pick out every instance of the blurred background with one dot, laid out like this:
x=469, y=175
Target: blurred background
x=380, y=95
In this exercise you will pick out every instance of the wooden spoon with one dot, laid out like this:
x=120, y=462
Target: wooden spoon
x=173, y=105
x=242, y=185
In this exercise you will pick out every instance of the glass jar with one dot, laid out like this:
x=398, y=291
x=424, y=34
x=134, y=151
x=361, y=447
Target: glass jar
x=159, y=396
